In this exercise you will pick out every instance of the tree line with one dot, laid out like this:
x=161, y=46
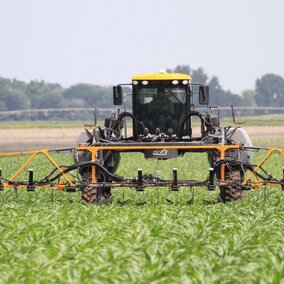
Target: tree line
x=18, y=95
x=268, y=91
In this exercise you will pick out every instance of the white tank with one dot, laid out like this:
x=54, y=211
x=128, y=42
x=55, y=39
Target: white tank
x=238, y=134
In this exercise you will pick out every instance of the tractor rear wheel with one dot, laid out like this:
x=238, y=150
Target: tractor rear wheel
x=232, y=192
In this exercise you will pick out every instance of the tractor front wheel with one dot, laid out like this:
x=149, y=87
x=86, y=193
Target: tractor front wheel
x=233, y=191
x=95, y=195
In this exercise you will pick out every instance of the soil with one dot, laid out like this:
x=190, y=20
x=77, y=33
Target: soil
x=37, y=138
x=51, y=138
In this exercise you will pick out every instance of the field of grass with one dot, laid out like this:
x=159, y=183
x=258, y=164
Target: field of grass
x=141, y=237
x=260, y=120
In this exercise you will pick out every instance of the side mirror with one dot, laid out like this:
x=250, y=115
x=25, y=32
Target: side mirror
x=117, y=95
x=204, y=95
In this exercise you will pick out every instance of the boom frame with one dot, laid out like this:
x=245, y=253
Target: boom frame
x=251, y=179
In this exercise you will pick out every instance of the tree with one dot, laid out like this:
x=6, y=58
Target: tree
x=183, y=69
x=3, y=106
x=199, y=76
x=91, y=95
x=13, y=99
x=45, y=95
x=270, y=90
x=248, y=96
x=220, y=97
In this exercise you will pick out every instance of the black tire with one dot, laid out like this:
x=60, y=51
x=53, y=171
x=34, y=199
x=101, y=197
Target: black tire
x=92, y=194
x=97, y=196
x=232, y=192
x=89, y=195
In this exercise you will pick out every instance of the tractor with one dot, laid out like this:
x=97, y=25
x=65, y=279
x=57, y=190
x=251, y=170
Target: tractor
x=163, y=112
x=166, y=107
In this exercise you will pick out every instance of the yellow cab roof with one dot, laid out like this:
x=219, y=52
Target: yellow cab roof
x=161, y=76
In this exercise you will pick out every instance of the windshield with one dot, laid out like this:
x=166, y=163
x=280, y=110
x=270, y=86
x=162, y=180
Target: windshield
x=160, y=107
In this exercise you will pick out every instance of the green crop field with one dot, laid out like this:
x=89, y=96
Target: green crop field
x=260, y=120
x=51, y=237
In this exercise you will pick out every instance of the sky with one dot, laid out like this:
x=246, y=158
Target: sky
x=105, y=42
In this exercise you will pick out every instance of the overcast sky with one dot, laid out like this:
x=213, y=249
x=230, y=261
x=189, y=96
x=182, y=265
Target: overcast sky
x=105, y=42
